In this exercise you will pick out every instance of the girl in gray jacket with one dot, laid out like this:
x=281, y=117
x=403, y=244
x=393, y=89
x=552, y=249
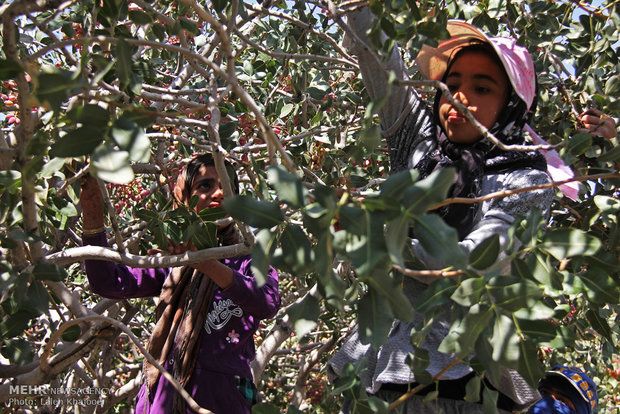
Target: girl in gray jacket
x=495, y=79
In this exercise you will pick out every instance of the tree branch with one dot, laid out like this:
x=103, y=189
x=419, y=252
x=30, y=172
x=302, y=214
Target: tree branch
x=77, y=254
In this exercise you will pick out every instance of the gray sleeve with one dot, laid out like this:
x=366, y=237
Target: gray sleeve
x=406, y=120
x=375, y=74
x=498, y=214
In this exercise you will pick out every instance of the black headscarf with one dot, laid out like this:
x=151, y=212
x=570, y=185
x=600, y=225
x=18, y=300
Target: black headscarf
x=473, y=161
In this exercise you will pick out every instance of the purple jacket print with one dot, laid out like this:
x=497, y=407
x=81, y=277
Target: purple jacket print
x=227, y=345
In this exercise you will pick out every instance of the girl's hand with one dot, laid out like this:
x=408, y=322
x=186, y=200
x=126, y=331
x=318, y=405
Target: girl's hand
x=179, y=248
x=597, y=123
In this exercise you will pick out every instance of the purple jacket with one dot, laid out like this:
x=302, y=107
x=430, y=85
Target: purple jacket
x=227, y=345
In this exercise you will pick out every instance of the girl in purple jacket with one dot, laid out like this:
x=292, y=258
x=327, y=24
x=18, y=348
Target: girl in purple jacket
x=207, y=312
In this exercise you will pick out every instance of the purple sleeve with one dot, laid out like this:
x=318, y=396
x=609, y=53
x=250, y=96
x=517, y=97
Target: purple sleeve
x=117, y=281
x=261, y=302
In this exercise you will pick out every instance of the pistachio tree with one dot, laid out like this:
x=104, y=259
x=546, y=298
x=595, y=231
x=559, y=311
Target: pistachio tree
x=129, y=90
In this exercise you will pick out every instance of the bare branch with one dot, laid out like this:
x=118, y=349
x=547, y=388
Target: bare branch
x=78, y=254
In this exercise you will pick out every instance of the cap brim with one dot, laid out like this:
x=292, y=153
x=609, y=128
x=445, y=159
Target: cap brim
x=433, y=61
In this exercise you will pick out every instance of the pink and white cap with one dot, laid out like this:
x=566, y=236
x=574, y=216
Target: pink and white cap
x=517, y=62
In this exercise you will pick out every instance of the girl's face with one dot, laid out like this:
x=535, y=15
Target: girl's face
x=208, y=188
x=482, y=86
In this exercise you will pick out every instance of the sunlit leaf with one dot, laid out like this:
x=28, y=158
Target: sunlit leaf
x=131, y=137
x=568, y=242
x=429, y=191
x=112, y=165
x=80, y=141
x=505, y=341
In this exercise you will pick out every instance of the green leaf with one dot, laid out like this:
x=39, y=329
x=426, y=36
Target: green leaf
x=601, y=287
x=62, y=206
x=396, y=233
x=544, y=271
x=131, y=137
x=436, y=294
x=439, y=239
x=15, y=324
x=261, y=214
x=530, y=367
x=396, y=185
x=485, y=254
x=304, y=315
x=599, y=324
x=49, y=271
x=80, y=141
x=18, y=352
x=123, y=62
x=612, y=86
x=150, y=216
x=489, y=401
x=296, y=253
x=607, y=204
x=261, y=255
x=419, y=363
x=173, y=231
x=9, y=69
x=38, y=298
x=429, y=191
x=212, y=213
x=538, y=330
x=391, y=288
x=516, y=295
x=189, y=25
x=90, y=115
x=202, y=235
x=372, y=405
x=72, y=333
x=139, y=17
x=353, y=219
x=54, y=88
x=286, y=109
x=579, y=143
x=331, y=286
x=569, y=242
x=505, y=342
x=375, y=318
x=469, y=291
x=537, y=312
x=111, y=165
x=371, y=137
x=289, y=188
x=368, y=250
x=472, y=389
x=159, y=31
x=464, y=333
